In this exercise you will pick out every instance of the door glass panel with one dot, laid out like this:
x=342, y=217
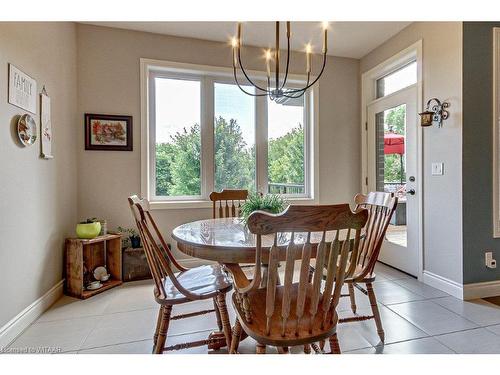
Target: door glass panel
x=391, y=167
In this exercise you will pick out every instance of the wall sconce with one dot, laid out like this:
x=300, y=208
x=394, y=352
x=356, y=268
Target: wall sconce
x=437, y=114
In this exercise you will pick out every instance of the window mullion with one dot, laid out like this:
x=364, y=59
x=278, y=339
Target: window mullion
x=308, y=149
x=207, y=138
x=261, y=143
x=152, y=136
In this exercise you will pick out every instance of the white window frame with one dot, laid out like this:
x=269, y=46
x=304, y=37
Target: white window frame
x=208, y=76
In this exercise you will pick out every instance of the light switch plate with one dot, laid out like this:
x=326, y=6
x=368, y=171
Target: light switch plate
x=437, y=169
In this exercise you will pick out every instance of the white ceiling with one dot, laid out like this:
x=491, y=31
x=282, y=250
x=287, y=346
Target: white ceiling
x=346, y=39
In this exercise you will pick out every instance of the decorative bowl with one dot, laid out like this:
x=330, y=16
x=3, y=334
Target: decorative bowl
x=88, y=230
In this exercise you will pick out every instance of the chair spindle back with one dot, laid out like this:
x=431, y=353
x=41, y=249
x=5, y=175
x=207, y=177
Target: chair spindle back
x=227, y=203
x=304, y=298
x=158, y=253
x=381, y=207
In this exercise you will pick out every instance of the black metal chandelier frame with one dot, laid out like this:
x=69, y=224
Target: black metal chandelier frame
x=279, y=90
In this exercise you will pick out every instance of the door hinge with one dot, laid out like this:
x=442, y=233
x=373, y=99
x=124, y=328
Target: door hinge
x=366, y=125
x=366, y=181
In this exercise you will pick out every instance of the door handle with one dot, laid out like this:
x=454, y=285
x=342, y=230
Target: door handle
x=411, y=192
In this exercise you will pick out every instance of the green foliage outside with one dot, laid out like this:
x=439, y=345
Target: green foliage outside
x=286, y=157
x=395, y=120
x=178, y=161
x=234, y=161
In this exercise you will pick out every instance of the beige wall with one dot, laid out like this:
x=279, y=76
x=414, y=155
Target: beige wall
x=442, y=78
x=39, y=197
x=108, y=82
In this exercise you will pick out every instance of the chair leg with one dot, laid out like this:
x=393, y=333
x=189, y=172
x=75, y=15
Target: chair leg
x=217, y=314
x=235, y=342
x=226, y=326
x=158, y=323
x=375, y=311
x=165, y=312
x=322, y=345
x=260, y=349
x=352, y=297
x=334, y=344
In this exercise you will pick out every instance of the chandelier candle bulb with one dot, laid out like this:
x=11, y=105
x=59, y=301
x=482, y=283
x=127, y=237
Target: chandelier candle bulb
x=325, y=41
x=234, y=43
x=308, y=58
x=268, y=63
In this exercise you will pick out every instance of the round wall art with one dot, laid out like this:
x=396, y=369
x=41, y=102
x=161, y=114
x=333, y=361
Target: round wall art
x=26, y=130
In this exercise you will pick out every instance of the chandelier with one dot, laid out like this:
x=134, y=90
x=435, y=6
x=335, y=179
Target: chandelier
x=276, y=89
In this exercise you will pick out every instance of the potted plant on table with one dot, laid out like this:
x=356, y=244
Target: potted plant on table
x=88, y=229
x=134, y=238
x=272, y=203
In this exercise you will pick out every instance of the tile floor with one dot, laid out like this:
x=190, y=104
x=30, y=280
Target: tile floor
x=416, y=318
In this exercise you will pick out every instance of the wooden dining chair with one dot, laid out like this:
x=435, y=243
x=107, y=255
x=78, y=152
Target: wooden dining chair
x=381, y=207
x=227, y=203
x=186, y=285
x=298, y=312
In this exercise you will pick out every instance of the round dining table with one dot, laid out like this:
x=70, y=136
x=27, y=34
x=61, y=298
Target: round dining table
x=228, y=240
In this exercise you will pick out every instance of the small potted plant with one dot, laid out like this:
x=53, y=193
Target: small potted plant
x=272, y=203
x=88, y=229
x=135, y=239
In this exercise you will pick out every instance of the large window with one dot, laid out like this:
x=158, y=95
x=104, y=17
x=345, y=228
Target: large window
x=286, y=146
x=234, y=132
x=206, y=135
x=177, y=137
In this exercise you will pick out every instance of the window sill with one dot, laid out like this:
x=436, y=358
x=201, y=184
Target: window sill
x=203, y=204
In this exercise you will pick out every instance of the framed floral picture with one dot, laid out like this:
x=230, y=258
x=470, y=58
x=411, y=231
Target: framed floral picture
x=108, y=132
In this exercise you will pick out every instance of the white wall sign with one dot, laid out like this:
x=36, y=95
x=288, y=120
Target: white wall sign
x=22, y=90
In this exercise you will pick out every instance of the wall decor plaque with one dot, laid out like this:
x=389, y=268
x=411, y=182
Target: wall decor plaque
x=22, y=90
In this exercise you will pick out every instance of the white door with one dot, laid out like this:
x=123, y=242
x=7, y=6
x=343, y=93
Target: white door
x=392, y=167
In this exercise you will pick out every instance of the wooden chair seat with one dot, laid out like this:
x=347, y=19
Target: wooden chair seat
x=369, y=278
x=256, y=328
x=206, y=281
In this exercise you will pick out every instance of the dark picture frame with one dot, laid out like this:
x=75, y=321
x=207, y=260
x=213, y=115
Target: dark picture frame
x=111, y=134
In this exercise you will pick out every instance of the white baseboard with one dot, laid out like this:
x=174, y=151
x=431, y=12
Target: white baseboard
x=482, y=290
x=442, y=283
x=21, y=321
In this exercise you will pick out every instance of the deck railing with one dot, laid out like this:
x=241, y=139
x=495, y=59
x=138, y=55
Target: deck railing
x=283, y=188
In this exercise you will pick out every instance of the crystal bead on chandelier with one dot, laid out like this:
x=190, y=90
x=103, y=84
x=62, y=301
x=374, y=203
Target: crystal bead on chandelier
x=278, y=92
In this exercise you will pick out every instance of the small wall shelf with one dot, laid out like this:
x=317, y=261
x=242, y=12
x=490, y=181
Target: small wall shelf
x=85, y=255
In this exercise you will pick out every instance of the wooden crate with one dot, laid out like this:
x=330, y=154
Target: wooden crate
x=103, y=250
x=135, y=264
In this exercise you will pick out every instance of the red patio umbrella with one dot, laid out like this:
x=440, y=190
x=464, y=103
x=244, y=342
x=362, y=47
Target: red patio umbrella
x=395, y=144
